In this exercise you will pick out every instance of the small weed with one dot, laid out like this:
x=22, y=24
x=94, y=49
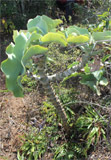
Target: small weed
x=91, y=128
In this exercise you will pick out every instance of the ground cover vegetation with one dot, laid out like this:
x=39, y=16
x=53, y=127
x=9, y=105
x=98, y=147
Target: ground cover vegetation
x=73, y=65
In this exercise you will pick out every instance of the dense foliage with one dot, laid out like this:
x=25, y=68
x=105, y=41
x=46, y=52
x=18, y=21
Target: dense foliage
x=22, y=10
x=40, y=32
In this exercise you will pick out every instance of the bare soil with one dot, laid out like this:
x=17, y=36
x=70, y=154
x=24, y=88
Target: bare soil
x=15, y=116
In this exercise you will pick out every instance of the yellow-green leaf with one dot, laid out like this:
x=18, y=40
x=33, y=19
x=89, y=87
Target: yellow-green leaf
x=54, y=37
x=77, y=39
x=33, y=50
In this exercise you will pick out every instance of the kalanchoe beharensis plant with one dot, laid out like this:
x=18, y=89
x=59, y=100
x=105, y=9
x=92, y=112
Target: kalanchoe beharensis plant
x=34, y=41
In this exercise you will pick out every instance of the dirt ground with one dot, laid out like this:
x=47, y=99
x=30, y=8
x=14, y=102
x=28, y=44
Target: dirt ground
x=15, y=114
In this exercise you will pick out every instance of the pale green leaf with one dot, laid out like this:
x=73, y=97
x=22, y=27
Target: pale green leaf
x=33, y=22
x=33, y=50
x=101, y=36
x=103, y=81
x=34, y=38
x=93, y=132
x=98, y=74
x=12, y=66
x=77, y=30
x=82, y=31
x=42, y=24
x=15, y=34
x=51, y=23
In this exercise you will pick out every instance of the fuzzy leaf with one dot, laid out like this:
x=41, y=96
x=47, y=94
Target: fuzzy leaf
x=101, y=36
x=12, y=66
x=54, y=37
x=90, y=81
x=103, y=81
x=33, y=50
x=51, y=23
x=34, y=38
x=42, y=24
x=37, y=24
x=98, y=74
x=77, y=39
x=15, y=34
x=77, y=30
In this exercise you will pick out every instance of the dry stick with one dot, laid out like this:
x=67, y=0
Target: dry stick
x=50, y=92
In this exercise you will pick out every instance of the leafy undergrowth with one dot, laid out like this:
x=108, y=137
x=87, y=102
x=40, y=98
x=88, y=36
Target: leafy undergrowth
x=88, y=110
x=88, y=114
x=49, y=140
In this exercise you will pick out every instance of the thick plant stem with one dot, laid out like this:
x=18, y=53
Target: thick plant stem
x=60, y=76
x=50, y=92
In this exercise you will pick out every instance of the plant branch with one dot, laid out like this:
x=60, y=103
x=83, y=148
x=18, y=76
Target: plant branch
x=60, y=76
x=50, y=92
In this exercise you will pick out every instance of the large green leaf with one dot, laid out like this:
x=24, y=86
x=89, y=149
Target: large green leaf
x=33, y=22
x=101, y=36
x=42, y=24
x=37, y=24
x=33, y=39
x=33, y=50
x=90, y=81
x=20, y=42
x=76, y=30
x=42, y=27
x=98, y=74
x=103, y=81
x=77, y=39
x=54, y=37
x=12, y=66
x=71, y=30
x=51, y=23
x=16, y=34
